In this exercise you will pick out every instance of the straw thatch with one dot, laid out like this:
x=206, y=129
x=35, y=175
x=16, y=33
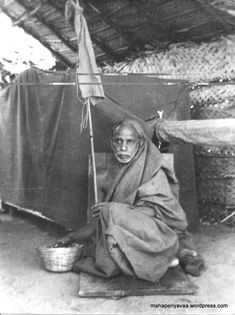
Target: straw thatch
x=121, y=28
x=194, y=62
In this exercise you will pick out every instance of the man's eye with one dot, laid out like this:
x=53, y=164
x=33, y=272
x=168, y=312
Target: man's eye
x=118, y=141
x=130, y=141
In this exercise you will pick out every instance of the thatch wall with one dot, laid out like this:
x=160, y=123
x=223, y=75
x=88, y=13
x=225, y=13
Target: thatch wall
x=210, y=69
x=205, y=62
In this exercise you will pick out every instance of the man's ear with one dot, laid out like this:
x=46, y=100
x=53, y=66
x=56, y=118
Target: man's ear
x=141, y=141
x=111, y=144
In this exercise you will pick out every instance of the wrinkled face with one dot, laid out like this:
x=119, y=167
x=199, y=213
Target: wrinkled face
x=125, y=143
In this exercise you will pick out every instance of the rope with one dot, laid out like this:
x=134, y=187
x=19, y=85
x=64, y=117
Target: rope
x=85, y=115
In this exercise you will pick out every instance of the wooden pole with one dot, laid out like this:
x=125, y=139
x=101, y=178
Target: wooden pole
x=229, y=216
x=93, y=163
x=92, y=150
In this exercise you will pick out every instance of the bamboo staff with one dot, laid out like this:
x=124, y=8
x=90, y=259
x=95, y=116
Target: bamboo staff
x=92, y=150
x=93, y=163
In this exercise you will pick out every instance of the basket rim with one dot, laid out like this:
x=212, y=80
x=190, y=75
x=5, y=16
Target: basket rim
x=50, y=247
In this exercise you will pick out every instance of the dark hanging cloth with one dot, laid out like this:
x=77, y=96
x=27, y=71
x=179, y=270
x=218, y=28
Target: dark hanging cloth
x=43, y=154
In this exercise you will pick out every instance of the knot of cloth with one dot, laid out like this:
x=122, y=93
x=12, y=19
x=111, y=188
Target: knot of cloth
x=157, y=127
x=70, y=6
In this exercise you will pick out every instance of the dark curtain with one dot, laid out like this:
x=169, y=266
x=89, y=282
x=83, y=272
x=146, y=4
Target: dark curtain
x=44, y=156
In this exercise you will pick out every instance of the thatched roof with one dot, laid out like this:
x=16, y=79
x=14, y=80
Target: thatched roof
x=120, y=28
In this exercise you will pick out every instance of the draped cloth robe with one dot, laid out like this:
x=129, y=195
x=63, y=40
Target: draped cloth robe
x=141, y=219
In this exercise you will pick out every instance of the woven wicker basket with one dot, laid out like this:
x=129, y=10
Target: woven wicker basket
x=59, y=259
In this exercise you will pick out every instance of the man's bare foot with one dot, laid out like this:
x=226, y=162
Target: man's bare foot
x=174, y=263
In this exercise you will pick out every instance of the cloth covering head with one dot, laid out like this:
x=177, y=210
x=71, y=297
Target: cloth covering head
x=136, y=234
x=125, y=142
x=143, y=166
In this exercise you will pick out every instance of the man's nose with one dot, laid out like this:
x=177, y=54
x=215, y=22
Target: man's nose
x=124, y=146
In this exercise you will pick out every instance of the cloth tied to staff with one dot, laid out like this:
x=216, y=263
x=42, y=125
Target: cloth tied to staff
x=87, y=71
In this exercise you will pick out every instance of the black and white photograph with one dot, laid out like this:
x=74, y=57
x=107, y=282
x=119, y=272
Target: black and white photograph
x=117, y=157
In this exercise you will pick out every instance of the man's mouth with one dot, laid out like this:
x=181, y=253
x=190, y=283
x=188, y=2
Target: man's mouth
x=123, y=156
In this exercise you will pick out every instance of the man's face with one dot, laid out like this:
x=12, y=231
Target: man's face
x=125, y=144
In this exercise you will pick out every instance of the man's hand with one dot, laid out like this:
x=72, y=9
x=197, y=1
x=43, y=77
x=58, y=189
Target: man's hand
x=98, y=207
x=63, y=242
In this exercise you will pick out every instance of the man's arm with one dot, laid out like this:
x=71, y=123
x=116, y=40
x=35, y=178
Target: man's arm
x=82, y=234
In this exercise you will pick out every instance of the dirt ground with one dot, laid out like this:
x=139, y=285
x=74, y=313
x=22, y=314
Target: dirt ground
x=25, y=287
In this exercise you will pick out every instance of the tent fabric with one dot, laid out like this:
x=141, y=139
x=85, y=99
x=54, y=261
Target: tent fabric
x=37, y=150
x=216, y=132
x=44, y=156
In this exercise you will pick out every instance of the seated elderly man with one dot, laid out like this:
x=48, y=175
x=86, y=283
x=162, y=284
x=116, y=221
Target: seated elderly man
x=140, y=228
